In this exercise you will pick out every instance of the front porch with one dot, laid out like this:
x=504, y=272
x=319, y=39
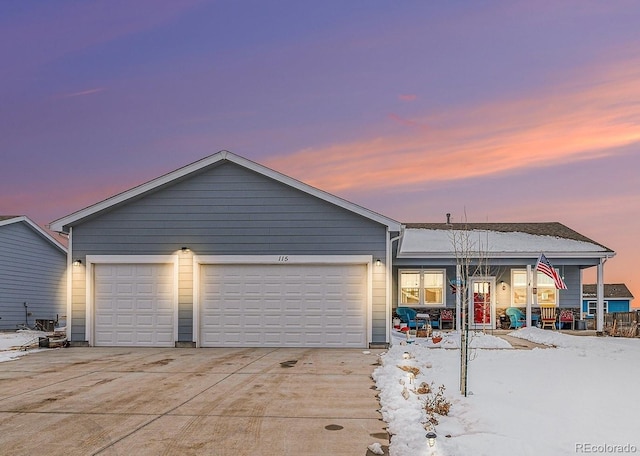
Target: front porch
x=507, y=318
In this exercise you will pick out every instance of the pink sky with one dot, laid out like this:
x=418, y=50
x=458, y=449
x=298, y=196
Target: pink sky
x=508, y=111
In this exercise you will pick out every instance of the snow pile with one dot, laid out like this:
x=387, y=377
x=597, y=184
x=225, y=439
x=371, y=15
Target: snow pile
x=12, y=342
x=541, y=336
x=562, y=400
x=452, y=340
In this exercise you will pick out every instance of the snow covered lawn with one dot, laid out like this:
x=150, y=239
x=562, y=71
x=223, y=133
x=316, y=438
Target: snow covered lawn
x=11, y=342
x=575, y=397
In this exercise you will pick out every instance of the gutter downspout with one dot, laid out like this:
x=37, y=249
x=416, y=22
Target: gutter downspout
x=69, y=283
x=389, y=272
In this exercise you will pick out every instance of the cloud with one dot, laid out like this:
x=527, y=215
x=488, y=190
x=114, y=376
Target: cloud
x=81, y=93
x=404, y=121
x=77, y=26
x=584, y=119
x=407, y=97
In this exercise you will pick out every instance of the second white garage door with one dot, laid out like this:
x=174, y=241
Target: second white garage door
x=134, y=305
x=283, y=305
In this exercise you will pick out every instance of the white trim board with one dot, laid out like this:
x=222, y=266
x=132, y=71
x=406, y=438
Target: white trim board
x=34, y=226
x=220, y=157
x=282, y=260
x=92, y=260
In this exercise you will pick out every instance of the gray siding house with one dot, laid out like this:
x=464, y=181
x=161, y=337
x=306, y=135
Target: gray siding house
x=501, y=259
x=33, y=269
x=227, y=252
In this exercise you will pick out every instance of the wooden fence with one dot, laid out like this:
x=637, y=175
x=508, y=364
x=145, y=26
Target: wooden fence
x=622, y=324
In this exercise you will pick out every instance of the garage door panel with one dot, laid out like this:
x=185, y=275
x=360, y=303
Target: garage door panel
x=283, y=305
x=133, y=305
x=122, y=338
x=126, y=322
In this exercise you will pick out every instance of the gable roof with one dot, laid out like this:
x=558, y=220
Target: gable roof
x=10, y=219
x=63, y=224
x=611, y=291
x=500, y=240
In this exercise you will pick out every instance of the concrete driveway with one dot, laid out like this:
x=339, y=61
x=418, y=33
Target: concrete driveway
x=203, y=401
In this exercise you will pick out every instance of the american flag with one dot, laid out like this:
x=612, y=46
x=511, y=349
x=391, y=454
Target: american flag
x=545, y=267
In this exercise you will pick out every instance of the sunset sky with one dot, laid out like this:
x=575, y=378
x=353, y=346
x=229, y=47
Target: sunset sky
x=508, y=111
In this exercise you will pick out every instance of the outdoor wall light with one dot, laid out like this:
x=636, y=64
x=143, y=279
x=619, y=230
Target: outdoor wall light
x=77, y=262
x=378, y=262
x=431, y=438
x=185, y=250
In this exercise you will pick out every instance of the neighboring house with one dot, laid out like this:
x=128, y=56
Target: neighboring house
x=425, y=275
x=227, y=252
x=617, y=298
x=33, y=266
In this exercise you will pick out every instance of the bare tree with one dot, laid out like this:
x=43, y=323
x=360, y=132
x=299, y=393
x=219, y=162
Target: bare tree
x=471, y=250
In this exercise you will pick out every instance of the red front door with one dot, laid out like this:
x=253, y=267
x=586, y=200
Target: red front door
x=481, y=303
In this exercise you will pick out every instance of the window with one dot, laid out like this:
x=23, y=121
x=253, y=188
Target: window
x=593, y=307
x=419, y=288
x=410, y=288
x=519, y=287
x=547, y=293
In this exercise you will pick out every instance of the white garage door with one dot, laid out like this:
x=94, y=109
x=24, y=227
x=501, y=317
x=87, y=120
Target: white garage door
x=134, y=305
x=283, y=305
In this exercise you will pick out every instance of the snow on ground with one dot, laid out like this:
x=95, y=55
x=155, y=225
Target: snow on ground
x=575, y=397
x=12, y=342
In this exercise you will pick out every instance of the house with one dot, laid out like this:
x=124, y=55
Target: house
x=617, y=298
x=227, y=252
x=501, y=259
x=33, y=269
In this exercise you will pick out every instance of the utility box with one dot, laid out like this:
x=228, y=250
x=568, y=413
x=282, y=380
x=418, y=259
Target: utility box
x=46, y=325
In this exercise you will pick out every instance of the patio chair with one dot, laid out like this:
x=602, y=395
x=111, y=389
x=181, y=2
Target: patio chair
x=566, y=318
x=548, y=316
x=408, y=316
x=516, y=317
x=446, y=317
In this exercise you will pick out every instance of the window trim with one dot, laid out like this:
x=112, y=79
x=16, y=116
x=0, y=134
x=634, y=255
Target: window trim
x=421, y=287
x=605, y=308
x=513, y=288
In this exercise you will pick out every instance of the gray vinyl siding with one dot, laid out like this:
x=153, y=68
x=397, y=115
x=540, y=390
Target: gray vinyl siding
x=572, y=296
x=32, y=271
x=228, y=210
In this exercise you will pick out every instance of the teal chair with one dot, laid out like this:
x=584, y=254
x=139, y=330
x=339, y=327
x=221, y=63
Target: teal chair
x=408, y=316
x=519, y=319
x=516, y=317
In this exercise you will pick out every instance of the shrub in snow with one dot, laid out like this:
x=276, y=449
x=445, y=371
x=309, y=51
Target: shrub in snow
x=435, y=403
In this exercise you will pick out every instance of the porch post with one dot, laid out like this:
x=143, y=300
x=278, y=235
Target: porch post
x=458, y=298
x=600, y=297
x=529, y=294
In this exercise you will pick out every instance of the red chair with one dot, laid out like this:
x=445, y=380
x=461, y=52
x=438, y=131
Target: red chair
x=446, y=316
x=566, y=317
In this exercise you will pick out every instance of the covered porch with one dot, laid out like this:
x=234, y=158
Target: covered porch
x=479, y=271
